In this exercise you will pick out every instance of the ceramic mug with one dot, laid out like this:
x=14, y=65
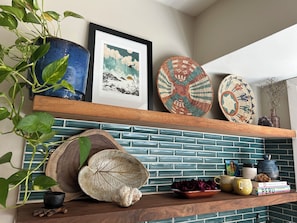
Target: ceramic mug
x=225, y=182
x=242, y=186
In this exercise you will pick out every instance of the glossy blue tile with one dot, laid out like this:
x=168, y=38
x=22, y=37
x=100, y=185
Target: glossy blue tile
x=193, y=173
x=82, y=124
x=144, y=144
x=160, y=166
x=241, y=144
x=171, y=132
x=159, y=181
x=193, y=160
x=185, y=140
x=135, y=136
x=192, y=147
x=161, y=138
x=231, y=138
x=176, y=159
x=183, y=166
x=59, y=122
x=170, y=145
x=115, y=127
x=168, y=152
x=185, y=153
x=212, y=136
x=170, y=173
x=224, y=143
x=144, y=130
x=206, y=141
x=193, y=134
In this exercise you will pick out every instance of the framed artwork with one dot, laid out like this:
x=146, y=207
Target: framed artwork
x=120, y=71
x=232, y=167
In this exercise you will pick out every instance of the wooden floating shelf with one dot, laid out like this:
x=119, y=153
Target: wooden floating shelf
x=81, y=110
x=151, y=207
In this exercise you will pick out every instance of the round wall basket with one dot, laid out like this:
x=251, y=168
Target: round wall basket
x=236, y=99
x=184, y=87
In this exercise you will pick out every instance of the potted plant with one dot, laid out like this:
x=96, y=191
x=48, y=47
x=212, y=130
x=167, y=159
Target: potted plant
x=30, y=46
x=274, y=90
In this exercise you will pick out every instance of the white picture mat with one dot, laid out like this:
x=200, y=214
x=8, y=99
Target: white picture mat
x=124, y=100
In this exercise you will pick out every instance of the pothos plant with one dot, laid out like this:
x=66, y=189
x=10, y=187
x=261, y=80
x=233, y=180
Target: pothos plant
x=30, y=24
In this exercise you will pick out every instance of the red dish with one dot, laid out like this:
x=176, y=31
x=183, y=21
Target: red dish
x=196, y=194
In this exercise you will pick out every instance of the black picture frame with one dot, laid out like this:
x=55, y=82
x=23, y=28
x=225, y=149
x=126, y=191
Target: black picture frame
x=136, y=56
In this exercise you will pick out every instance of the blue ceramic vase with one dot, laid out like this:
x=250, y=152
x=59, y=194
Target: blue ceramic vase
x=77, y=70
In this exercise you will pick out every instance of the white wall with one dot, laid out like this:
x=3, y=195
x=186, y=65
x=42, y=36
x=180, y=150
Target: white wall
x=230, y=25
x=171, y=33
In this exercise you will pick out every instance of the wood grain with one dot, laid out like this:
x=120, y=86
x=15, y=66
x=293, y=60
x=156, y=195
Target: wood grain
x=82, y=110
x=151, y=207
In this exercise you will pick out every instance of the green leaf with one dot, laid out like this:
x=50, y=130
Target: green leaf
x=4, y=72
x=22, y=66
x=40, y=52
x=31, y=4
x=51, y=15
x=17, y=12
x=17, y=177
x=35, y=4
x=43, y=182
x=36, y=122
x=8, y=20
x=3, y=191
x=31, y=18
x=67, y=85
x=18, y=4
x=47, y=136
x=84, y=149
x=55, y=71
x=4, y=113
x=72, y=14
x=6, y=158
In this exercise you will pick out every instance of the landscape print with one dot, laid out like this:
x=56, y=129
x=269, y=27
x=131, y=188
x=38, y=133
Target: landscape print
x=120, y=71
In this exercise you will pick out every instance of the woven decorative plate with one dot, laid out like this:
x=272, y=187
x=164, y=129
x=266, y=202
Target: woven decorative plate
x=236, y=99
x=184, y=87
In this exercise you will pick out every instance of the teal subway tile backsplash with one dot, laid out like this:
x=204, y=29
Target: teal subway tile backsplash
x=144, y=130
x=171, y=155
x=81, y=124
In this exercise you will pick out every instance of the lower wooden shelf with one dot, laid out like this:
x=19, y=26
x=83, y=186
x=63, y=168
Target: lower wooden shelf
x=151, y=207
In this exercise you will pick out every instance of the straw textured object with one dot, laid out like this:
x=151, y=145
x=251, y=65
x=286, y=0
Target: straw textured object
x=236, y=99
x=63, y=164
x=184, y=87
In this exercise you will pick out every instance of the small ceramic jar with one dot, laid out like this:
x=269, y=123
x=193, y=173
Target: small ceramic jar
x=249, y=171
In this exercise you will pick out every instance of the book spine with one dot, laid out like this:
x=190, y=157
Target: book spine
x=270, y=190
x=270, y=184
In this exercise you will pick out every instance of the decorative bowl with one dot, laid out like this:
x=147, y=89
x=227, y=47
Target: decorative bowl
x=53, y=199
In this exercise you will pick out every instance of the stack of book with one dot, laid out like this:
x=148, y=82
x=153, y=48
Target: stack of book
x=272, y=187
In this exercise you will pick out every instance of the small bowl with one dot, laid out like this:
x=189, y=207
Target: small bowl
x=53, y=199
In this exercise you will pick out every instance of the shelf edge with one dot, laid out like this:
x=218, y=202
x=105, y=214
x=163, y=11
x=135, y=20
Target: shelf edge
x=82, y=110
